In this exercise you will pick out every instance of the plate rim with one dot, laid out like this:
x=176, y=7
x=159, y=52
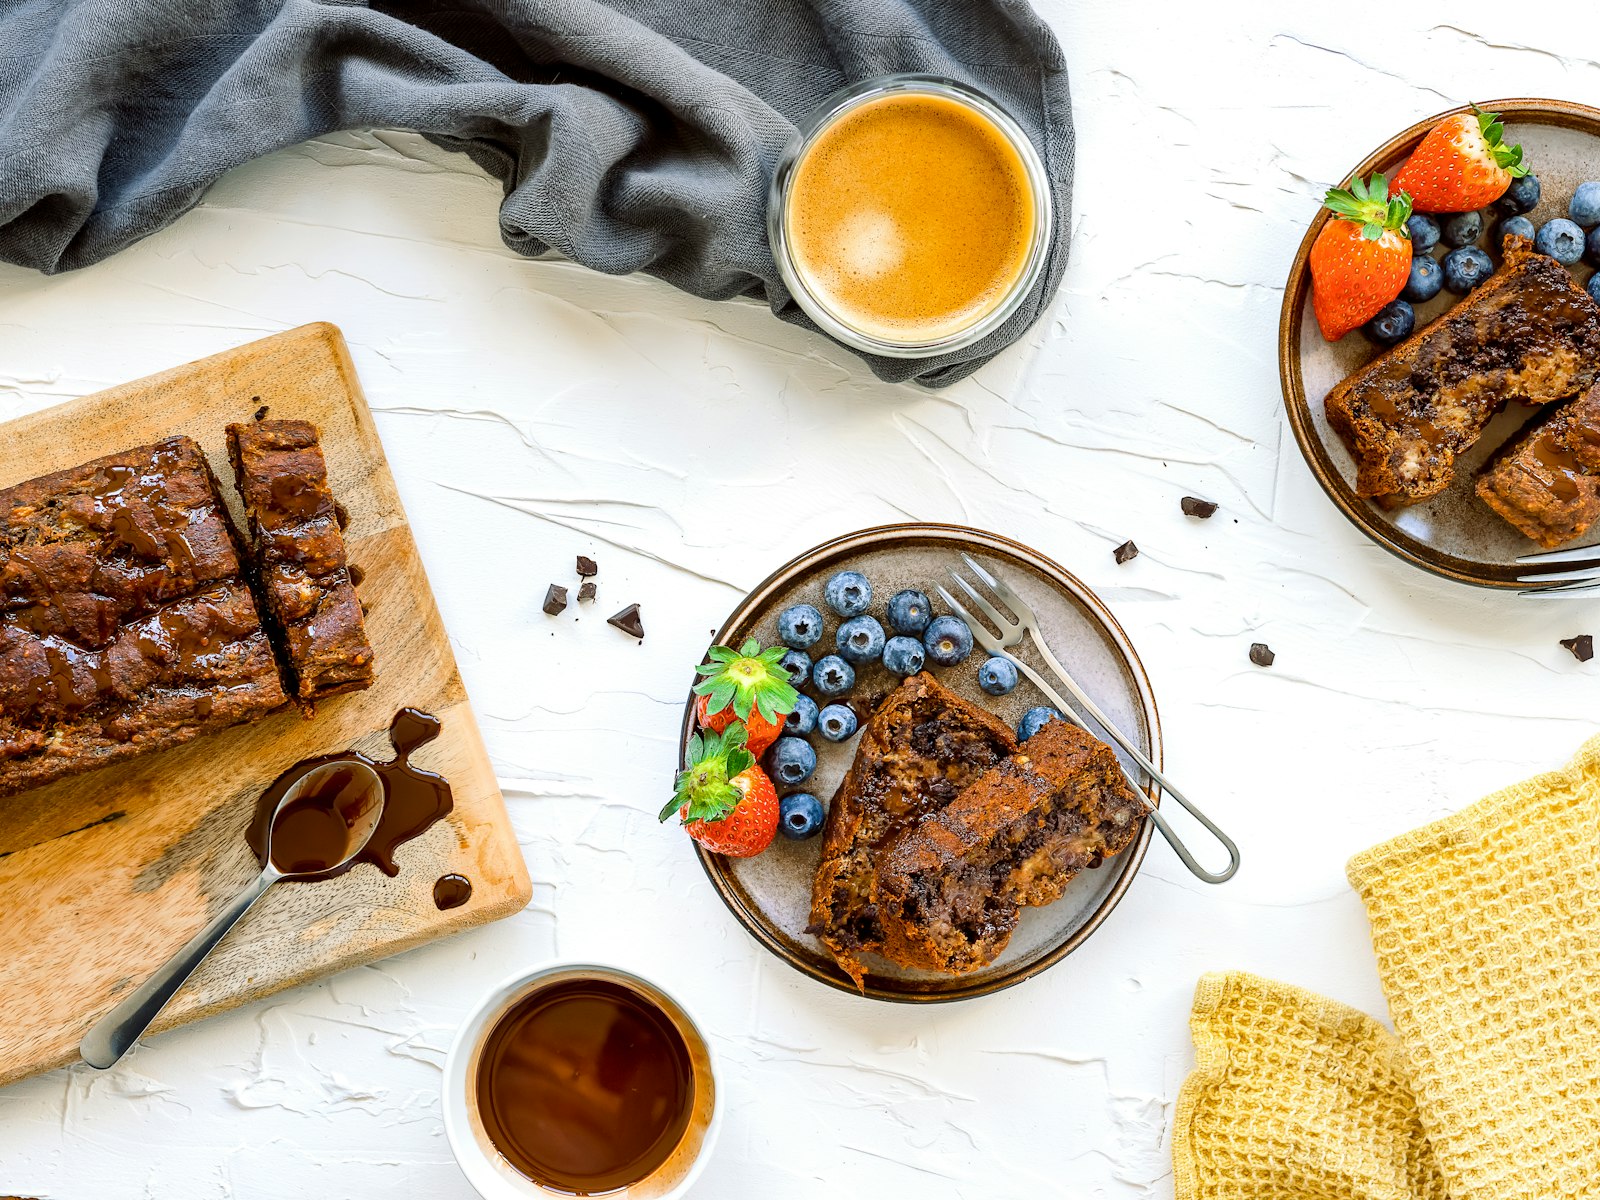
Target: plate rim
x=715, y=865
x=1530, y=110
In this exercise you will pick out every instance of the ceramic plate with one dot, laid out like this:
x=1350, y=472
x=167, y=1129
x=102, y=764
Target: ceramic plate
x=1452, y=534
x=771, y=893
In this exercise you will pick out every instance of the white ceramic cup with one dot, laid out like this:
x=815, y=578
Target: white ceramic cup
x=487, y=1169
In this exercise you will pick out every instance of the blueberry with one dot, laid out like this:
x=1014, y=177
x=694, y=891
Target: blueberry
x=860, y=639
x=1561, y=240
x=832, y=676
x=837, y=722
x=1591, y=248
x=1519, y=225
x=909, y=612
x=1585, y=206
x=948, y=640
x=1394, y=322
x=800, y=626
x=998, y=676
x=1034, y=720
x=904, y=655
x=1463, y=229
x=800, y=816
x=1594, y=287
x=1521, y=197
x=798, y=664
x=1424, y=231
x=791, y=760
x=1425, y=280
x=1465, y=269
x=848, y=593
x=804, y=717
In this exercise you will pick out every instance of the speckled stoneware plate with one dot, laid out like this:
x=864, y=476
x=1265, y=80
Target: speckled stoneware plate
x=771, y=893
x=1453, y=534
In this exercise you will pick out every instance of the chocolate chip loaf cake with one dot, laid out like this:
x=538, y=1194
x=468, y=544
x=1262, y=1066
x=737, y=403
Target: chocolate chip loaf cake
x=297, y=531
x=1530, y=334
x=126, y=623
x=916, y=753
x=950, y=889
x=1546, y=480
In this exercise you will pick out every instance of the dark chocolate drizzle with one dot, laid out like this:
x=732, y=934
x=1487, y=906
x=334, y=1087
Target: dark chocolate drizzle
x=413, y=799
x=452, y=891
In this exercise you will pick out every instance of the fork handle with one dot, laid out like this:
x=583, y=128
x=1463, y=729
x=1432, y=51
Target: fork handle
x=1173, y=840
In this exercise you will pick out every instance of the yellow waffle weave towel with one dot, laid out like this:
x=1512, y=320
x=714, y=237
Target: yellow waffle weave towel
x=1487, y=931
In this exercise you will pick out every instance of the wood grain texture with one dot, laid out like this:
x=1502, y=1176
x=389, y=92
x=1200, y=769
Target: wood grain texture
x=102, y=876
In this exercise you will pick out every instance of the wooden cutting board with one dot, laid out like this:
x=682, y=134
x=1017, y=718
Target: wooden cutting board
x=102, y=876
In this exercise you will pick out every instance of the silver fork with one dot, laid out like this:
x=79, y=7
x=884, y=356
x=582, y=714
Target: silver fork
x=1019, y=623
x=1577, y=573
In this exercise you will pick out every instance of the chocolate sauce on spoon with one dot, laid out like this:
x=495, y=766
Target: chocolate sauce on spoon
x=413, y=799
x=313, y=832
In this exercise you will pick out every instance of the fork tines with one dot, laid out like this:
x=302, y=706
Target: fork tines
x=1578, y=572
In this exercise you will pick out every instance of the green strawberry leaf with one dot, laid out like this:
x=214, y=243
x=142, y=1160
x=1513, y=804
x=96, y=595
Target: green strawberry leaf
x=749, y=678
x=704, y=790
x=1509, y=157
x=1368, y=203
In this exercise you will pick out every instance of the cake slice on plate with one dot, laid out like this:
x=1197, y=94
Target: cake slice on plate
x=1546, y=481
x=950, y=889
x=916, y=754
x=1529, y=334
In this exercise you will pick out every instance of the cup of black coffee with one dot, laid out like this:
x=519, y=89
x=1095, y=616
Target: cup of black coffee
x=580, y=1079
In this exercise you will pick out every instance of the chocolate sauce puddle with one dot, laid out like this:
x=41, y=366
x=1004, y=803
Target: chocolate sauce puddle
x=413, y=799
x=452, y=891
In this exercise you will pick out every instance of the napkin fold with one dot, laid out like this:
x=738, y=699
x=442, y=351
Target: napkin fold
x=1486, y=926
x=630, y=135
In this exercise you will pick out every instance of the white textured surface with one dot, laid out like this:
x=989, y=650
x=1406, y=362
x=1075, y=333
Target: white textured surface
x=534, y=411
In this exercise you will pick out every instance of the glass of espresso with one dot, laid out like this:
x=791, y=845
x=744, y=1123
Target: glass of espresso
x=580, y=1080
x=910, y=216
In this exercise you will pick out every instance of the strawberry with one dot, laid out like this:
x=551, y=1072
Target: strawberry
x=748, y=683
x=726, y=802
x=759, y=732
x=1362, y=257
x=1461, y=165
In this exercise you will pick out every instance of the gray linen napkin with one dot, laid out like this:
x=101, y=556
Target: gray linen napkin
x=634, y=135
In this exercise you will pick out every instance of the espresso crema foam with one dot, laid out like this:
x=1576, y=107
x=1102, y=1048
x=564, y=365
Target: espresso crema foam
x=910, y=217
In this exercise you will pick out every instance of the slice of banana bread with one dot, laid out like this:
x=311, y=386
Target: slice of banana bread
x=949, y=889
x=917, y=752
x=1546, y=480
x=299, y=552
x=1529, y=334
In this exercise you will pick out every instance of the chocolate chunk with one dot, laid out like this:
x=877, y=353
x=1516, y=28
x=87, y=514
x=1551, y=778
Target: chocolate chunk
x=628, y=621
x=555, y=600
x=587, y=590
x=341, y=514
x=261, y=413
x=587, y=567
x=357, y=575
x=1582, y=646
x=1193, y=506
x=1261, y=654
x=1125, y=553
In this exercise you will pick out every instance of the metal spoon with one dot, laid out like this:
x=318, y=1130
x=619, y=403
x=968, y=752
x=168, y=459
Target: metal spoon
x=345, y=793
